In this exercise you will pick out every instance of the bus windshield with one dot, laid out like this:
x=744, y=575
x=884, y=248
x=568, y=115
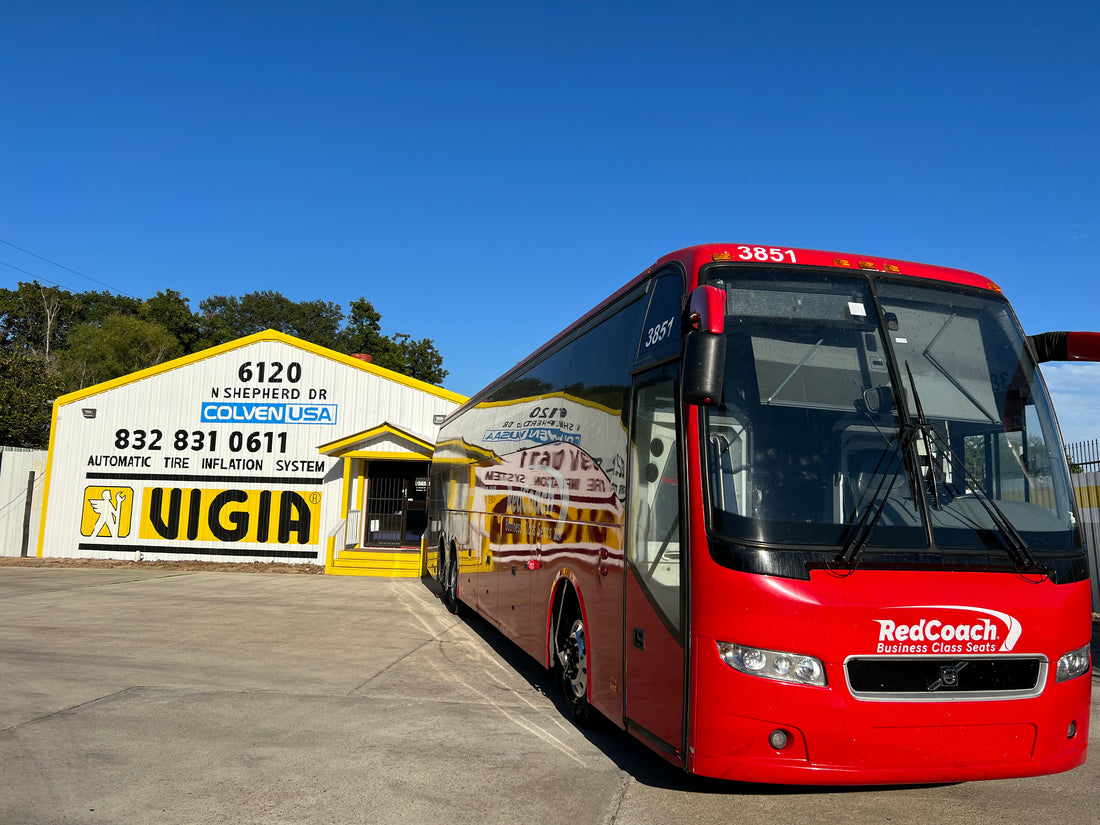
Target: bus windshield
x=902, y=415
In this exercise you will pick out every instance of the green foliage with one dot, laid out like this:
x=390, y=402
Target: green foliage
x=28, y=385
x=118, y=346
x=54, y=341
x=95, y=307
x=35, y=318
x=400, y=353
x=38, y=319
x=419, y=359
x=173, y=312
x=224, y=318
x=363, y=331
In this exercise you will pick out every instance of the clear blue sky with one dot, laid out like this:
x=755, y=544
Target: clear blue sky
x=484, y=172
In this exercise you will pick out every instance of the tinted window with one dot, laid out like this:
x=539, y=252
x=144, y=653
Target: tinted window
x=544, y=378
x=600, y=368
x=660, y=335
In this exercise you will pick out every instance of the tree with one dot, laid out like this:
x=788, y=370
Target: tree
x=401, y=353
x=172, y=311
x=418, y=359
x=120, y=345
x=28, y=385
x=35, y=318
x=95, y=307
x=363, y=332
x=225, y=318
x=318, y=322
x=88, y=335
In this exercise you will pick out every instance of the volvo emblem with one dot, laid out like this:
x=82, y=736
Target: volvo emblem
x=949, y=676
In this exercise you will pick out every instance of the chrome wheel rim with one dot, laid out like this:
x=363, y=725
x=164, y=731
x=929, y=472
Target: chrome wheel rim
x=576, y=660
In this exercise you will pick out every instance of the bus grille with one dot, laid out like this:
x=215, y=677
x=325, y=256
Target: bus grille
x=945, y=679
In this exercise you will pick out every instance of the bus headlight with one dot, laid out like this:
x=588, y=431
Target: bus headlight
x=775, y=664
x=1073, y=664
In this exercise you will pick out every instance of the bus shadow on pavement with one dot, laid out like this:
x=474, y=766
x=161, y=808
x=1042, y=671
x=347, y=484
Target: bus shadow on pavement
x=629, y=754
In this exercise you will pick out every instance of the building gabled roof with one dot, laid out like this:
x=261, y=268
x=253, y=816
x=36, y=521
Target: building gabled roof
x=265, y=336
x=364, y=444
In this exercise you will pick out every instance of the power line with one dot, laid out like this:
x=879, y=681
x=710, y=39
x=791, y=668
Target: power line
x=28, y=272
x=59, y=266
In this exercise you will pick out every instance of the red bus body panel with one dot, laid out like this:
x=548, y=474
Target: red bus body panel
x=693, y=258
x=839, y=739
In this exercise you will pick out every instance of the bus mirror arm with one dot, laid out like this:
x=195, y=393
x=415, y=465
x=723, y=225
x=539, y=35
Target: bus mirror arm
x=1065, y=346
x=704, y=367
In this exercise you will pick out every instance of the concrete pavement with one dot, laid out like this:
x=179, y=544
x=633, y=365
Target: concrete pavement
x=163, y=697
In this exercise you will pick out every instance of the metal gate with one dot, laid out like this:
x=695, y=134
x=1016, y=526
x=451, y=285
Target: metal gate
x=1087, y=488
x=395, y=506
x=386, y=497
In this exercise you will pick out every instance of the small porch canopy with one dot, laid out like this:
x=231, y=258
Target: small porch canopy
x=383, y=493
x=384, y=442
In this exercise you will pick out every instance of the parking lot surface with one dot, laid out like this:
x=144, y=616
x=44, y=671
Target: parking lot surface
x=166, y=697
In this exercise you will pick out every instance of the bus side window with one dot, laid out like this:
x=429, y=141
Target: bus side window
x=655, y=548
x=727, y=441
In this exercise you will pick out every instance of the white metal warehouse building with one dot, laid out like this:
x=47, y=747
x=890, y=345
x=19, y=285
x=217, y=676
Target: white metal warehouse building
x=267, y=448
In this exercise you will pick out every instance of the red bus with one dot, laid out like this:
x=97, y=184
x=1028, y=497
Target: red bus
x=786, y=516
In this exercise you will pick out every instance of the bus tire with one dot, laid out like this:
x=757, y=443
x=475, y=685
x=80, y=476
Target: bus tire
x=573, y=670
x=448, y=576
x=440, y=561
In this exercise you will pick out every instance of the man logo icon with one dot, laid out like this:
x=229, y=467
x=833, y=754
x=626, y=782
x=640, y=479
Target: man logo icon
x=107, y=512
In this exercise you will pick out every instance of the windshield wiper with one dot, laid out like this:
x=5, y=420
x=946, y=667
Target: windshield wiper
x=969, y=396
x=934, y=442
x=797, y=367
x=1015, y=544
x=861, y=529
x=927, y=433
x=935, y=446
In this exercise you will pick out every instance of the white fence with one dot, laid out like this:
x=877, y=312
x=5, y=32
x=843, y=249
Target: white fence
x=22, y=477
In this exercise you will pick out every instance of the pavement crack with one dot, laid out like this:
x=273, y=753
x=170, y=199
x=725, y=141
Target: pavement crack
x=611, y=815
x=398, y=661
x=70, y=709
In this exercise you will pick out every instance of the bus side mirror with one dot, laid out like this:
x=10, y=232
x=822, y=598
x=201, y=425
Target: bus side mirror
x=705, y=346
x=704, y=367
x=1065, y=346
x=707, y=309
x=878, y=400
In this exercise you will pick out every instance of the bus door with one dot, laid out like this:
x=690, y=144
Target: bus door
x=655, y=578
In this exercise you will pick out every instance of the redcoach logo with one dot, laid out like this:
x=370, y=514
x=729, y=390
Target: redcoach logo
x=947, y=628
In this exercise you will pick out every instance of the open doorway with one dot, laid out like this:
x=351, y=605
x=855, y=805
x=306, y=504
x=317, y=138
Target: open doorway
x=396, y=505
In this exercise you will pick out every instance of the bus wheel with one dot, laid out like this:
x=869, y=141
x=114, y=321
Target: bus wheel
x=574, y=674
x=448, y=577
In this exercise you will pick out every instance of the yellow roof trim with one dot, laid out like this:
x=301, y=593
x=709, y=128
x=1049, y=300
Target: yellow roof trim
x=255, y=338
x=346, y=447
x=376, y=455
